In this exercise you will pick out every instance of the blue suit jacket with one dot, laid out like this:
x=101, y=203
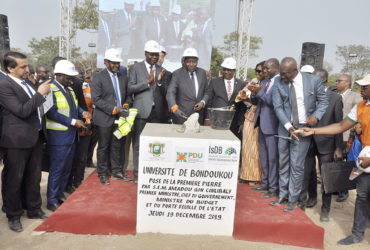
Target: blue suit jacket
x=56, y=137
x=268, y=122
x=315, y=100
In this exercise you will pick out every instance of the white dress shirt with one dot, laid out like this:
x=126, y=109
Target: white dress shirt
x=118, y=89
x=272, y=83
x=196, y=82
x=232, y=80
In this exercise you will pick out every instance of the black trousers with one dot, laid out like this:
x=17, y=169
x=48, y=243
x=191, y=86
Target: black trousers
x=109, y=151
x=310, y=176
x=79, y=161
x=23, y=166
x=93, y=141
x=139, y=125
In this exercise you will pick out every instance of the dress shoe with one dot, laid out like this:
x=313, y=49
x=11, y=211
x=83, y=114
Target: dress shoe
x=104, y=180
x=324, y=216
x=90, y=165
x=269, y=195
x=278, y=202
x=349, y=240
x=3, y=209
x=37, y=215
x=120, y=176
x=290, y=206
x=260, y=189
x=52, y=207
x=62, y=200
x=311, y=202
x=302, y=206
x=15, y=225
x=70, y=189
x=342, y=196
x=135, y=180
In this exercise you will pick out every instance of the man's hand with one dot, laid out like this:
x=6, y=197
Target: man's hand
x=80, y=124
x=207, y=122
x=160, y=76
x=312, y=121
x=123, y=111
x=307, y=131
x=180, y=114
x=338, y=154
x=292, y=134
x=365, y=161
x=115, y=110
x=151, y=76
x=240, y=129
x=87, y=115
x=254, y=88
x=198, y=106
x=44, y=88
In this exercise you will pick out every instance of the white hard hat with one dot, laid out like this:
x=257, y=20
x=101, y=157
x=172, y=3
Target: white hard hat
x=176, y=9
x=65, y=67
x=113, y=55
x=229, y=63
x=365, y=152
x=163, y=49
x=365, y=81
x=152, y=47
x=130, y=1
x=307, y=69
x=190, y=52
x=155, y=3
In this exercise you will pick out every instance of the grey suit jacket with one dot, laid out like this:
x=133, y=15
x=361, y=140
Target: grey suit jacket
x=104, y=97
x=144, y=95
x=315, y=100
x=350, y=99
x=326, y=144
x=181, y=92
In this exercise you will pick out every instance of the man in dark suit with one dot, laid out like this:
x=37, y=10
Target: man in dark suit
x=63, y=120
x=155, y=24
x=21, y=139
x=222, y=92
x=326, y=148
x=299, y=100
x=187, y=92
x=145, y=84
x=267, y=122
x=174, y=28
x=110, y=97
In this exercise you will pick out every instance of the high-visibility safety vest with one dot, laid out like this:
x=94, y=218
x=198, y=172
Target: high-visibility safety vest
x=87, y=95
x=363, y=117
x=125, y=124
x=63, y=108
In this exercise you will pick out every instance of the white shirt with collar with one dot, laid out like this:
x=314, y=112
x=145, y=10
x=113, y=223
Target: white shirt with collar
x=196, y=82
x=298, y=87
x=232, y=81
x=345, y=92
x=117, y=81
x=272, y=82
x=147, y=65
x=19, y=82
x=352, y=115
x=3, y=72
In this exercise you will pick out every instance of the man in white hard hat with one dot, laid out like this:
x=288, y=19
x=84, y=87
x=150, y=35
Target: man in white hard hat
x=62, y=122
x=267, y=122
x=307, y=69
x=359, y=114
x=21, y=140
x=187, y=91
x=111, y=99
x=145, y=84
x=222, y=92
x=175, y=27
x=155, y=25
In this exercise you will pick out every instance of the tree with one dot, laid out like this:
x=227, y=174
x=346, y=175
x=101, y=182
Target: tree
x=85, y=15
x=328, y=66
x=86, y=61
x=355, y=59
x=216, y=61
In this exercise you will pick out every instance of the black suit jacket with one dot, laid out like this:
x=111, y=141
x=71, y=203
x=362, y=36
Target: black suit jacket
x=326, y=144
x=217, y=98
x=20, y=118
x=104, y=97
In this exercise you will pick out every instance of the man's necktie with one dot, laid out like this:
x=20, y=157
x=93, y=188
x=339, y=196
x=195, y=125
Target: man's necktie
x=193, y=82
x=229, y=92
x=116, y=90
x=293, y=103
x=129, y=19
x=151, y=70
x=267, y=86
x=30, y=92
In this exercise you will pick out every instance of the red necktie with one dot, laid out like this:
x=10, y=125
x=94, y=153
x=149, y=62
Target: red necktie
x=267, y=86
x=229, y=92
x=151, y=70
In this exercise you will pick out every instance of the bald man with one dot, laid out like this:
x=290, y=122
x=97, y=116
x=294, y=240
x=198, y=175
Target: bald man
x=299, y=100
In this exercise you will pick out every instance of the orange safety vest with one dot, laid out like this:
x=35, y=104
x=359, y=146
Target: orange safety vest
x=363, y=117
x=87, y=95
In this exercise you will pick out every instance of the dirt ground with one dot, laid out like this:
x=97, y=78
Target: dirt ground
x=341, y=219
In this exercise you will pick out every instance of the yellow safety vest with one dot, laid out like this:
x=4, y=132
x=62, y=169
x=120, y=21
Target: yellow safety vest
x=125, y=124
x=63, y=108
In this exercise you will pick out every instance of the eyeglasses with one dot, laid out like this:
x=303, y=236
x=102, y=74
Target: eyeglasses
x=258, y=71
x=364, y=87
x=339, y=80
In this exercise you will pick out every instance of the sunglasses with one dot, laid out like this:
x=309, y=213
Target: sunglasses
x=258, y=71
x=338, y=80
x=364, y=87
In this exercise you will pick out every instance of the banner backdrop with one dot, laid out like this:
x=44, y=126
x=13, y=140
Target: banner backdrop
x=175, y=24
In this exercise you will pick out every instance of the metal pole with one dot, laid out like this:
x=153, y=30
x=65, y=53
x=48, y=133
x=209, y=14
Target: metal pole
x=240, y=38
x=248, y=38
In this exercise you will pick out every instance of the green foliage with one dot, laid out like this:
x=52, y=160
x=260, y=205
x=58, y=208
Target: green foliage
x=85, y=15
x=216, y=61
x=357, y=65
x=231, y=44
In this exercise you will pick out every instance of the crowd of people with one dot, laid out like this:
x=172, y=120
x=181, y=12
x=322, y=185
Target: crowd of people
x=280, y=118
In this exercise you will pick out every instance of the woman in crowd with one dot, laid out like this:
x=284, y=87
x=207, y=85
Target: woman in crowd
x=250, y=171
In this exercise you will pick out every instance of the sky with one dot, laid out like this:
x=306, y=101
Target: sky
x=283, y=25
